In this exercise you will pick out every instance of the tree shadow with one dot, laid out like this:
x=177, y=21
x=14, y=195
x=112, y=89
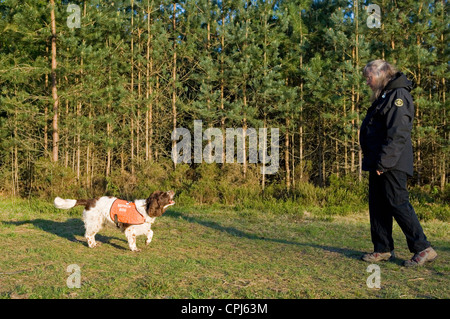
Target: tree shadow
x=349, y=253
x=67, y=229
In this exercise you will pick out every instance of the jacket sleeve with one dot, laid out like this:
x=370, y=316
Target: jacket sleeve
x=399, y=117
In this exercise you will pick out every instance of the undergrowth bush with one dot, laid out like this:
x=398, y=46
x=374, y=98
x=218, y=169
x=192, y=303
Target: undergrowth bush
x=51, y=179
x=214, y=184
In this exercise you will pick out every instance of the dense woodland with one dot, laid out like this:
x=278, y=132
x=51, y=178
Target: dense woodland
x=90, y=110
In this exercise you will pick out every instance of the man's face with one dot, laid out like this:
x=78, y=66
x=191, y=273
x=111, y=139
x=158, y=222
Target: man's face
x=371, y=81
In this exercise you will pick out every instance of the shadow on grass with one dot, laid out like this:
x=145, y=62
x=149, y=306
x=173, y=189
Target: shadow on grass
x=67, y=229
x=354, y=254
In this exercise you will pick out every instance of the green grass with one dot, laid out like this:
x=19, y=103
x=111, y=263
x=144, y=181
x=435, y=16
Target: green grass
x=209, y=252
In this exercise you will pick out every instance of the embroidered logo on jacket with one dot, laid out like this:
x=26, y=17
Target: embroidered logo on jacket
x=398, y=102
x=125, y=212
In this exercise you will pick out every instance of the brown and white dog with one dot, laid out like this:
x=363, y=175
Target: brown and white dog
x=98, y=212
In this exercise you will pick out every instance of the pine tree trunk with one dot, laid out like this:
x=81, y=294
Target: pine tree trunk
x=417, y=107
x=263, y=177
x=244, y=92
x=138, y=116
x=132, y=88
x=320, y=152
x=445, y=119
x=263, y=182
x=222, y=83
x=174, y=79
x=208, y=78
x=14, y=157
x=300, y=130
x=108, y=152
x=66, y=132
x=149, y=91
x=286, y=156
x=353, y=146
x=344, y=109
x=79, y=123
x=446, y=138
x=89, y=153
x=46, y=107
x=78, y=141
x=357, y=97
x=54, y=89
x=244, y=142
x=293, y=159
x=108, y=124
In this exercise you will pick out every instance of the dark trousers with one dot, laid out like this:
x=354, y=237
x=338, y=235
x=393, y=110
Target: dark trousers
x=388, y=199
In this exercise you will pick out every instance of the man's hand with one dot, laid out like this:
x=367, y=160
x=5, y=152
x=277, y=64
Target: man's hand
x=379, y=173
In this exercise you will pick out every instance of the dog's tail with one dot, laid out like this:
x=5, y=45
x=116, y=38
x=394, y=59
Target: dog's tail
x=64, y=203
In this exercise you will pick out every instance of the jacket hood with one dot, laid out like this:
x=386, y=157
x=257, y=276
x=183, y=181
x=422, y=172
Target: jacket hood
x=399, y=81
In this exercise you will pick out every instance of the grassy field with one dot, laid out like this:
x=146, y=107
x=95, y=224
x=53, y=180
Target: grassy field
x=209, y=252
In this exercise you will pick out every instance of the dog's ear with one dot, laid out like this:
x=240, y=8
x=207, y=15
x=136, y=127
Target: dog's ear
x=154, y=208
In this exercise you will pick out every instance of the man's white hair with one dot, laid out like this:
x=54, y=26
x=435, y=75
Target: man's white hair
x=382, y=72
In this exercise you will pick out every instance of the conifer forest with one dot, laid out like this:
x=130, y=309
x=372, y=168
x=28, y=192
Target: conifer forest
x=92, y=91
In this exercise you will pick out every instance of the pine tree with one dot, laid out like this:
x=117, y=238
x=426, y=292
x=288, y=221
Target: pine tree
x=137, y=69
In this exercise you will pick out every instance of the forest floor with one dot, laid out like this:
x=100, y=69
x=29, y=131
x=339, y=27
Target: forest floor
x=209, y=252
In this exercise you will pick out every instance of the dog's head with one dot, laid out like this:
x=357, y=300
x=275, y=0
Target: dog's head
x=158, y=202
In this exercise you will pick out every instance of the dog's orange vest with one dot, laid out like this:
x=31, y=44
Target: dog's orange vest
x=126, y=213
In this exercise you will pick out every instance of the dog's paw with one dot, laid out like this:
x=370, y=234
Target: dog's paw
x=92, y=243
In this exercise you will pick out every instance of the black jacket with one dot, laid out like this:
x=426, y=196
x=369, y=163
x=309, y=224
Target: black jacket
x=385, y=134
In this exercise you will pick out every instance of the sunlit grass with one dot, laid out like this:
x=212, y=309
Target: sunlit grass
x=209, y=252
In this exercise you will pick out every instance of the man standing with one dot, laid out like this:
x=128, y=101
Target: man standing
x=385, y=139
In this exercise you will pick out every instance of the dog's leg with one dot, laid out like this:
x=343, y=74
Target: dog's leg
x=149, y=237
x=91, y=241
x=131, y=236
x=92, y=224
x=90, y=238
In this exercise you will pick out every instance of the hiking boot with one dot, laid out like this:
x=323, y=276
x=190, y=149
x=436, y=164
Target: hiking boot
x=421, y=258
x=376, y=257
